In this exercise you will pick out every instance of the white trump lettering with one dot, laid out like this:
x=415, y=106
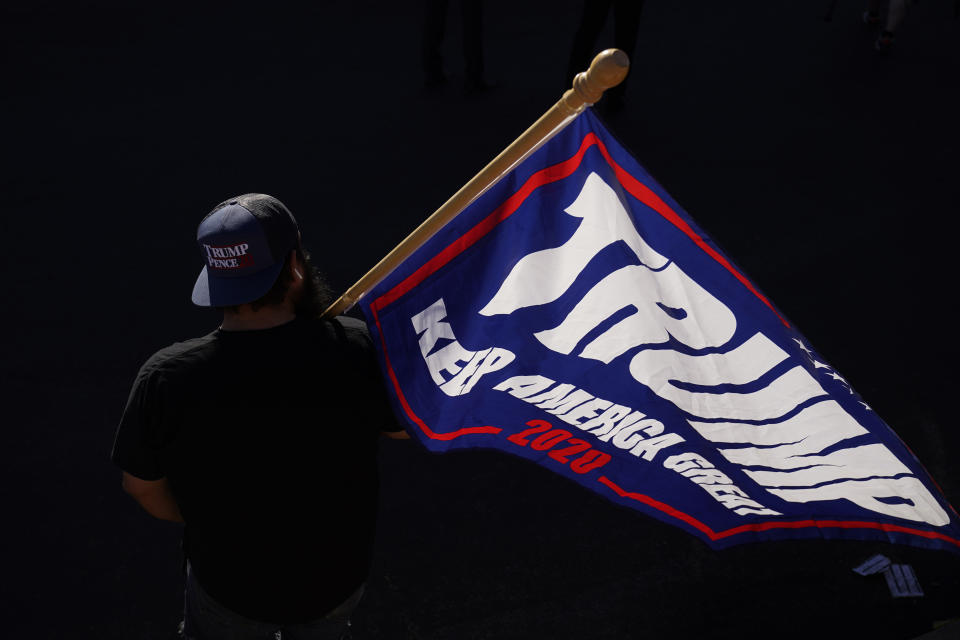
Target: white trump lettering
x=660, y=369
x=664, y=300
x=664, y=303
x=605, y=221
x=918, y=503
x=815, y=429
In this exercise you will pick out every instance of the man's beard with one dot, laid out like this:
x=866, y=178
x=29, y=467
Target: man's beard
x=315, y=295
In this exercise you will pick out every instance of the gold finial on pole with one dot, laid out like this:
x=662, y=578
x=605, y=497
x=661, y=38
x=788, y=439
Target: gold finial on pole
x=607, y=70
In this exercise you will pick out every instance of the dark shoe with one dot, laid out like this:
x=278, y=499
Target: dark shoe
x=884, y=42
x=476, y=86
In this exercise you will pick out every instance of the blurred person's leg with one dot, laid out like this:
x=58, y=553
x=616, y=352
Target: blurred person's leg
x=626, y=25
x=895, y=12
x=591, y=24
x=472, y=15
x=434, y=20
x=898, y=9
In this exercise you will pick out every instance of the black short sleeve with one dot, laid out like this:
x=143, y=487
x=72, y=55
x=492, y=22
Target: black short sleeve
x=382, y=417
x=135, y=446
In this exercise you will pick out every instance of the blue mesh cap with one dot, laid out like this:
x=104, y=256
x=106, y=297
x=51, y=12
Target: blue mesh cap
x=244, y=242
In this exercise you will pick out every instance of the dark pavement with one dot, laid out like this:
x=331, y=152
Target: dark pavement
x=827, y=171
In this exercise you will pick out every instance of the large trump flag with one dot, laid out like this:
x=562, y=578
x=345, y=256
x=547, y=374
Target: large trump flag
x=576, y=316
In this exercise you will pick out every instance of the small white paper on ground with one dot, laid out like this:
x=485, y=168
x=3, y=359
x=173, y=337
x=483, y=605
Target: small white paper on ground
x=902, y=581
x=874, y=564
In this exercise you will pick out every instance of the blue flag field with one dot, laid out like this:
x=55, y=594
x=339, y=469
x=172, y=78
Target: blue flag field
x=575, y=315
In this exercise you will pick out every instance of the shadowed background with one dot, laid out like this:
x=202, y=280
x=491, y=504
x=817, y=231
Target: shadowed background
x=827, y=172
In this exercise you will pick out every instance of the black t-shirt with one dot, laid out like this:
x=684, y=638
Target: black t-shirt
x=268, y=440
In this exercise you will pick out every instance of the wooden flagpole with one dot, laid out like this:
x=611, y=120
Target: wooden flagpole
x=607, y=70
